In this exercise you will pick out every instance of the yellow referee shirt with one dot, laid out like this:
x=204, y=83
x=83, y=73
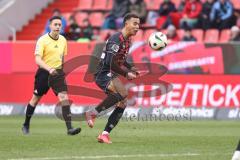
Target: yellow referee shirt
x=51, y=51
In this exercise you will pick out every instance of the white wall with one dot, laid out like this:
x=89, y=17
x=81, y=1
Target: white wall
x=19, y=14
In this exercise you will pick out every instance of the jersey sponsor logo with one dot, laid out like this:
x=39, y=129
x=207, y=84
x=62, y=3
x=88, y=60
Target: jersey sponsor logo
x=109, y=74
x=103, y=56
x=35, y=91
x=115, y=48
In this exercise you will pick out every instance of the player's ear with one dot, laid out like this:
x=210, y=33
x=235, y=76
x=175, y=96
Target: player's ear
x=126, y=23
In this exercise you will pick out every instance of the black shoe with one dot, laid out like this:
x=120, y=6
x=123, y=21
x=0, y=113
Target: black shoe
x=25, y=130
x=74, y=131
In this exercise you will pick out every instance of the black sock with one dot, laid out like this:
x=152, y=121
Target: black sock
x=67, y=116
x=238, y=147
x=114, y=119
x=109, y=101
x=29, y=113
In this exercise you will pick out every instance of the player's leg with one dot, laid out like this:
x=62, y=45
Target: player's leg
x=66, y=112
x=29, y=112
x=113, y=97
x=118, y=111
x=236, y=155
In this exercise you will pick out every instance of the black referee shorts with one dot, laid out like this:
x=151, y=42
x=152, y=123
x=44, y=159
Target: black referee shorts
x=44, y=81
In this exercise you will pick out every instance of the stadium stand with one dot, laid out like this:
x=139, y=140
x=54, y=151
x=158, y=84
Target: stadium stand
x=211, y=36
x=84, y=5
x=96, y=19
x=198, y=33
x=224, y=35
x=100, y=5
x=96, y=10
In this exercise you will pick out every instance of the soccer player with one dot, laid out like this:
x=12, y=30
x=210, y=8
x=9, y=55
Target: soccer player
x=49, y=56
x=236, y=155
x=112, y=64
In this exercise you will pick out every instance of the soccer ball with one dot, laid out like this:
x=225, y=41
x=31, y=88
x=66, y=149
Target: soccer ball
x=157, y=41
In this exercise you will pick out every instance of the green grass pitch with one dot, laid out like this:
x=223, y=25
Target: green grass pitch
x=161, y=140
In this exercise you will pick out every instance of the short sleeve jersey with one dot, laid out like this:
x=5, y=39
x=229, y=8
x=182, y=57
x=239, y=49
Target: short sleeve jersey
x=117, y=46
x=51, y=50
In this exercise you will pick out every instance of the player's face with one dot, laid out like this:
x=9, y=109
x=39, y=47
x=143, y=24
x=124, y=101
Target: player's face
x=56, y=25
x=132, y=26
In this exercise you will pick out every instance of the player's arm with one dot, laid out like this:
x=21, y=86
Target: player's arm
x=131, y=67
x=112, y=48
x=116, y=68
x=128, y=65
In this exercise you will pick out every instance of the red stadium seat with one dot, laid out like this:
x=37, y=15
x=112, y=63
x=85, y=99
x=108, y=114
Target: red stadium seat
x=153, y=4
x=164, y=31
x=176, y=2
x=180, y=33
x=96, y=19
x=211, y=36
x=138, y=37
x=99, y=5
x=236, y=4
x=67, y=15
x=104, y=34
x=109, y=4
x=147, y=33
x=224, y=35
x=160, y=21
x=84, y=5
x=198, y=34
x=80, y=16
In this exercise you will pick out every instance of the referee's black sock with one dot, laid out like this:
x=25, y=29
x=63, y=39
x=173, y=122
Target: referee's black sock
x=29, y=113
x=114, y=119
x=67, y=116
x=109, y=101
x=238, y=147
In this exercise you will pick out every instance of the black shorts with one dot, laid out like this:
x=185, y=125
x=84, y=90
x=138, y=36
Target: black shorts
x=44, y=81
x=103, y=79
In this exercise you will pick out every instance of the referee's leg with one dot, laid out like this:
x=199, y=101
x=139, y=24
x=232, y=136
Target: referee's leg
x=29, y=112
x=66, y=112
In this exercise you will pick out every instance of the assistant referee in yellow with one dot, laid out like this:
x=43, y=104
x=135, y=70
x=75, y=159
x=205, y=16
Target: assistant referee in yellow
x=49, y=56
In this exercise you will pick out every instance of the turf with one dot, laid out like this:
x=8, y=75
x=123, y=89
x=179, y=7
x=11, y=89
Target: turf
x=184, y=140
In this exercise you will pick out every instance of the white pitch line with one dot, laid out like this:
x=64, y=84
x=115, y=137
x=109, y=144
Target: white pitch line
x=112, y=156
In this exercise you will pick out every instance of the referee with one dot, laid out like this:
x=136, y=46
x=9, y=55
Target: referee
x=49, y=56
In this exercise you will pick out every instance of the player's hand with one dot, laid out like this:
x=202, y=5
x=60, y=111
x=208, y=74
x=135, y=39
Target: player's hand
x=135, y=70
x=52, y=71
x=131, y=75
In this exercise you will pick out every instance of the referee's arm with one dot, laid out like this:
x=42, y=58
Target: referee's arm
x=41, y=63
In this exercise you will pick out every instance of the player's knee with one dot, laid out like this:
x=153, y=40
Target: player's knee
x=124, y=94
x=34, y=100
x=123, y=104
x=118, y=96
x=62, y=96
